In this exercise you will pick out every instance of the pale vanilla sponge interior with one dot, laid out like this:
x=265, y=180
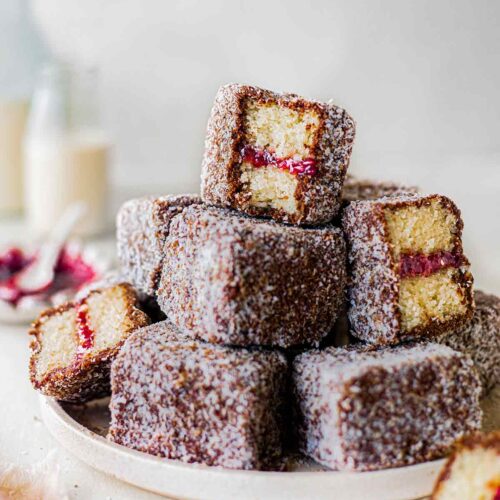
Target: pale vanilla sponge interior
x=432, y=298
x=59, y=343
x=424, y=229
x=107, y=312
x=284, y=131
x=475, y=475
x=107, y=316
x=270, y=187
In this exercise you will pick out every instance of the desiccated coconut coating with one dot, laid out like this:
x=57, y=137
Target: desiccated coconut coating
x=365, y=409
x=387, y=307
x=141, y=229
x=355, y=189
x=196, y=402
x=316, y=198
x=230, y=279
x=480, y=339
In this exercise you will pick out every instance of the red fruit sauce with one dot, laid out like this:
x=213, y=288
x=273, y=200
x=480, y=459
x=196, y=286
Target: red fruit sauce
x=86, y=335
x=497, y=494
x=418, y=264
x=71, y=272
x=12, y=261
x=263, y=158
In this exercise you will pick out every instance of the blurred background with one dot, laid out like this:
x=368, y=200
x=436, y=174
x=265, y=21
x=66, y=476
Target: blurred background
x=421, y=78
x=104, y=100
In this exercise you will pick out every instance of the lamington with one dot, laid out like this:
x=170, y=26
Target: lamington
x=276, y=155
x=480, y=339
x=73, y=344
x=473, y=471
x=232, y=279
x=187, y=400
x=142, y=227
x=409, y=278
x=362, y=409
x=366, y=189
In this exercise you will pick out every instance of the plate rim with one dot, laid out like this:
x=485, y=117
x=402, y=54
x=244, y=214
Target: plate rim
x=53, y=414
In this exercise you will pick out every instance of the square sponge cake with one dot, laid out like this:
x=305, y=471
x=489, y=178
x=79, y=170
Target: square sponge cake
x=276, y=155
x=363, y=408
x=73, y=344
x=183, y=399
x=231, y=279
x=409, y=276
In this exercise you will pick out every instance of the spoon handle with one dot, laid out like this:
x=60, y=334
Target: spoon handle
x=41, y=271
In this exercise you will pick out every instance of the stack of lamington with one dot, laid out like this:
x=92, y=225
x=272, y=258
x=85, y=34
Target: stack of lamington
x=251, y=278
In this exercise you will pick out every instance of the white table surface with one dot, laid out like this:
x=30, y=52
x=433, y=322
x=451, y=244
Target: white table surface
x=23, y=437
x=24, y=441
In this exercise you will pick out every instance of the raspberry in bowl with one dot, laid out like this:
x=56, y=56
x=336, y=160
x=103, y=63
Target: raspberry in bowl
x=76, y=267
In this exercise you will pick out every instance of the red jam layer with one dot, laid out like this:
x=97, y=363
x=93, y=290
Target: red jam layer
x=263, y=158
x=71, y=272
x=86, y=335
x=418, y=264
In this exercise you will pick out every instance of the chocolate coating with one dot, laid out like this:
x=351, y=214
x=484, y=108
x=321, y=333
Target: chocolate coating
x=141, y=229
x=480, y=339
x=365, y=409
x=373, y=290
x=318, y=196
x=355, y=189
x=231, y=279
x=86, y=377
x=199, y=403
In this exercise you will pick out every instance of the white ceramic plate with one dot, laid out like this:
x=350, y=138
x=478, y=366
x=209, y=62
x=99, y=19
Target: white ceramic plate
x=80, y=429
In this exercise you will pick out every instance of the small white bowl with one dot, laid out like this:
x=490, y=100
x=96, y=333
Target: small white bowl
x=31, y=306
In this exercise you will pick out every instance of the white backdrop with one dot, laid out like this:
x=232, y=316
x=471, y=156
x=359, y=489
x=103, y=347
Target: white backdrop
x=421, y=78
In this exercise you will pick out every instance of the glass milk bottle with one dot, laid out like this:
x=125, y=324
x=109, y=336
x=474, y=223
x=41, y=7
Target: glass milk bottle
x=22, y=52
x=13, y=114
x=65, y=151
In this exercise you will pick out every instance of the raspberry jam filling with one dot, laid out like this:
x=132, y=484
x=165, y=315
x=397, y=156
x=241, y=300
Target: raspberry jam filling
x=263, y=158
x=419, y=264
x=86, y=335
x=71, y=272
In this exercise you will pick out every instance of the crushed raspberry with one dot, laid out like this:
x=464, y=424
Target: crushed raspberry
x=85, y=333
x=9, y=291
x=71, y=272
x=12, y=261
x=419, y=264
x=264, y=158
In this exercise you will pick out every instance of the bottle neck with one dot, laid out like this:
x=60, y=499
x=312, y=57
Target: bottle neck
x=65, y=103
x=25, y=50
